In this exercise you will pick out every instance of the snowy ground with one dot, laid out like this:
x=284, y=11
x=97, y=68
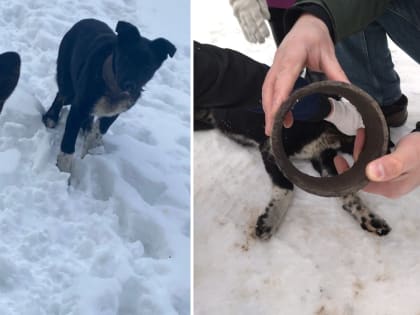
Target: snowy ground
x=320, y=262
x=116, y=241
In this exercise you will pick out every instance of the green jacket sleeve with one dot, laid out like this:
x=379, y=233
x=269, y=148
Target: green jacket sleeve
x=349, y=16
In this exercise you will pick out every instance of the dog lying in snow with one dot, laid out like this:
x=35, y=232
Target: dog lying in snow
x=227, y=89
x=9, y=75
x=318, y=142
x=101, y=75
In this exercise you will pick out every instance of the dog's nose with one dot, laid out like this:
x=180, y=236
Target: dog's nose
x=129, y=86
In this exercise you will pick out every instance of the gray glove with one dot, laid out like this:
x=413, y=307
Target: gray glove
x=251, y=15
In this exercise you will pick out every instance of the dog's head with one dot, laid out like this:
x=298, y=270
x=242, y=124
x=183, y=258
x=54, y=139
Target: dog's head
x=9, y=75
x=136, y=58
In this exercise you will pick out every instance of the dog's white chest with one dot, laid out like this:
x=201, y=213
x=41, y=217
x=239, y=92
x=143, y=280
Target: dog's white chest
x=107, y=107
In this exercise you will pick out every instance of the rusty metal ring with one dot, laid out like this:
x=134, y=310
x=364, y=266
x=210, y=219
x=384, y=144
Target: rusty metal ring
x=376, y=140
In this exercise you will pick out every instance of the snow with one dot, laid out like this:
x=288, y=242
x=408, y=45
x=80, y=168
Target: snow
x=114, y=237
x=320, y=261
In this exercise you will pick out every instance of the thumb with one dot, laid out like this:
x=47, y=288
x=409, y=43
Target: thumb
x=384, y=169
x=340, y=164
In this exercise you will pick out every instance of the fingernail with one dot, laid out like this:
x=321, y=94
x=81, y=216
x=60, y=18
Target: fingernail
x=376, y=170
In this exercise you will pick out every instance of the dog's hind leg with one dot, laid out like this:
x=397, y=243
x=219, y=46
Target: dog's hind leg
x=65, y=94
x=281, y=197
x=50, y=118
x=352, y=203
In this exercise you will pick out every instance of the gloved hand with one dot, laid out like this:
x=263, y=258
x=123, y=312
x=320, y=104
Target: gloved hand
x=344, y=116
x=251, y=15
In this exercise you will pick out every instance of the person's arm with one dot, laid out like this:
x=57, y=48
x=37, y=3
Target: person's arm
x=310, y=44
x=314, y=27
x=346, y=17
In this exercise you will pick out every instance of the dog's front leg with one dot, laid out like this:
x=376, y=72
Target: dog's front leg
x=105, y=123
x=281, y=197
x=269, y=222
x=93, y=138
x=73, y=124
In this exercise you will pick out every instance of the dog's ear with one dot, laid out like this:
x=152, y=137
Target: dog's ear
x=162, y=48
x=127, y=32
x=9, y=74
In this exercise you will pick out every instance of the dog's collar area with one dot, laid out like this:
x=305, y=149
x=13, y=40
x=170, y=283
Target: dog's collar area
x=109, y=76
x=376, y=140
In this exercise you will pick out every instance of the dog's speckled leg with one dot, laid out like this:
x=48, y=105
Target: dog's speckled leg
x=368, y=220
x=269, y=222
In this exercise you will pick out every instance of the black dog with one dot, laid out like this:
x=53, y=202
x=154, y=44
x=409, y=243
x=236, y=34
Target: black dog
x=227, y=97
x=318, y=142
x=100, y=74
x=9, y=75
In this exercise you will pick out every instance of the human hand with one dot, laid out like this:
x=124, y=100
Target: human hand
x=308, y=44
x=251, y=15
x=394, y=174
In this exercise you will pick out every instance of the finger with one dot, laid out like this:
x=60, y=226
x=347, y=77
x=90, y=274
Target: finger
x=385, y=168
x=333, y=70
x=341, y=164
x=359, y=142
x=285, y=81
x=404, y=159
x=267, y=100
x=246, y=28
x=269, y=121
x=288, y=120
x=261, y=29
x=276, y=91
x=264, y=9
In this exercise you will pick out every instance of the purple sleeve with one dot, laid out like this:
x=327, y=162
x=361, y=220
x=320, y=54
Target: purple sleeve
x=284, y=4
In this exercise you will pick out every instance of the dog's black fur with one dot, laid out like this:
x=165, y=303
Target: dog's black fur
x=101, y=74
x=318, y=142
x=9, y=75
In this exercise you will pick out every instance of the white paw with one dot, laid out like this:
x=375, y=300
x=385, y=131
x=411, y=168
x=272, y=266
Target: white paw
x=65, y=162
